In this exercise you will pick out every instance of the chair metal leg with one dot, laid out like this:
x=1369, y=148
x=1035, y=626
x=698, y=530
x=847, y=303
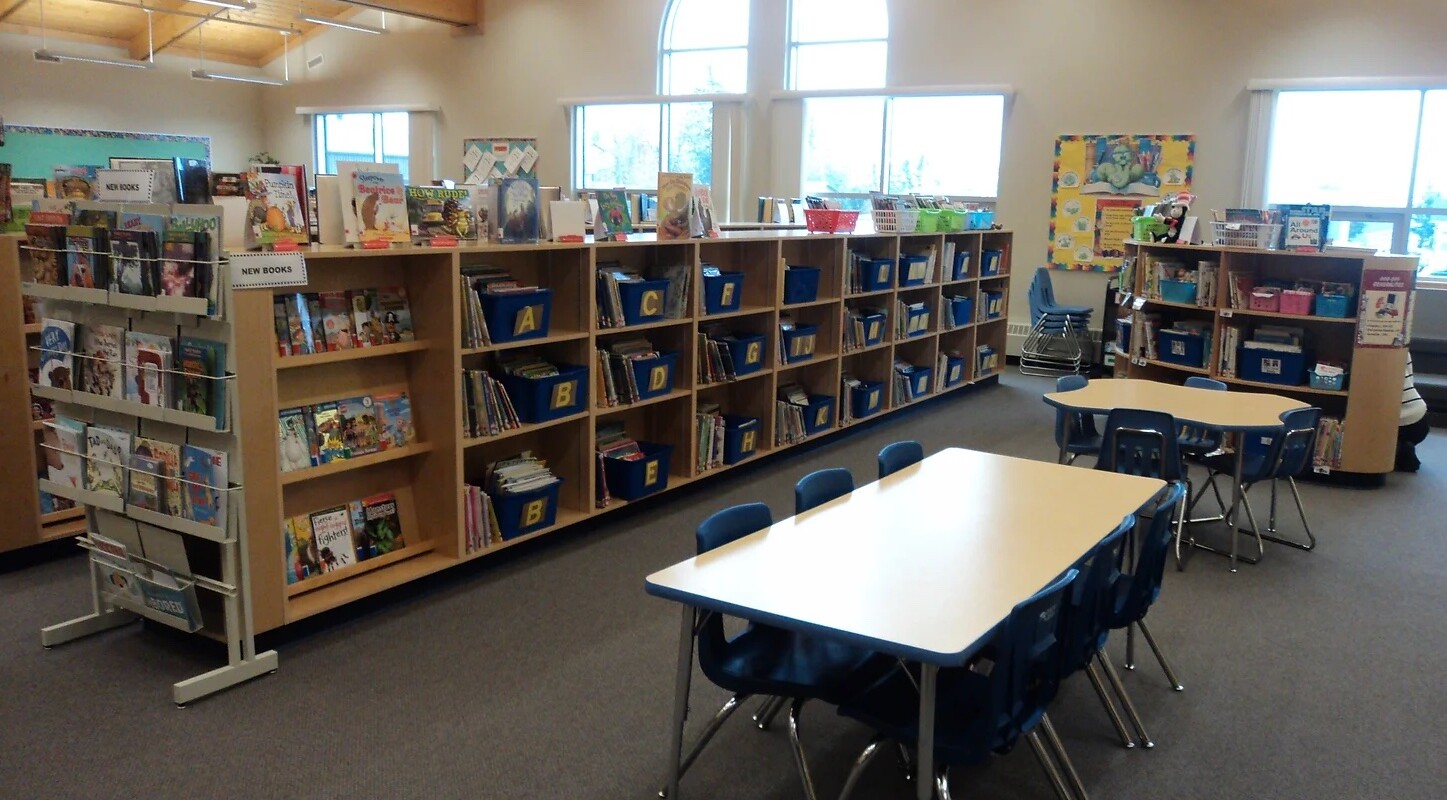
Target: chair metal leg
x=860, y=762
x=794, y=709
x=1129, y=647
x=906, y=761
x=1232, y=519
x=942, y=784
x=1255, y=529
x=1135, y=717
x=1310, y=543
x=1054, y=740
x=1047, y=764
x=1110, y=709
x=708, y=732
x=1161, y=657
x=770, y=709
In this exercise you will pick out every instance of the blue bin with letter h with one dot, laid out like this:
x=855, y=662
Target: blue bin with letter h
x=741, y=437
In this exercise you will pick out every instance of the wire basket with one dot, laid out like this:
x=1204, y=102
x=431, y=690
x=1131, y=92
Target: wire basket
x=903, y=220
x=1260, y=235
x=830, y=220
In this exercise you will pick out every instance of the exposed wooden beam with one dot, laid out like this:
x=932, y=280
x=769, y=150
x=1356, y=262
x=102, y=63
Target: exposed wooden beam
x=166, y=29
x=8, y=7
x=463, y=13
x=475, y=29
x=52, y=33
x=307, y=32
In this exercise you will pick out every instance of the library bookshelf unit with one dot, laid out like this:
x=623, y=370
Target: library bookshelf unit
x=1367, y=406
x=427, y=476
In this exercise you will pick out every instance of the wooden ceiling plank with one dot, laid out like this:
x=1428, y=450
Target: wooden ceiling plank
x=462, y=13
x=8, y=7
x=166, y=29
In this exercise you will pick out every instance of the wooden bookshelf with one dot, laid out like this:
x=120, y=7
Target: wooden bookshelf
x=1368, y=406
x=428, y=477
x=19, y=437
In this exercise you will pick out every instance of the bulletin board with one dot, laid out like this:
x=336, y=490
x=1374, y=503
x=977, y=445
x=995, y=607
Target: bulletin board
x=33, y=151
x=1099, y=182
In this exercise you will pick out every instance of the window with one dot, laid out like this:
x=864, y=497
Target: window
x=1379, y=157
x=628, y=144
x=837, y=44
x=379, y=137
x=926, y=144
x=705, y=47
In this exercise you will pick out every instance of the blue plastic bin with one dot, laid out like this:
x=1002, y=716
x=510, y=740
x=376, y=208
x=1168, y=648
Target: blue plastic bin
x=866, y=399
x=990, y=262
x=741, y=437
x=980, y=220
x=1334, y=383
x=1272, y=366
x=544, y=399
x=961, y=267
x=1334, y=305
x=801, y=285
x=876, y=274
x=919, y=381
x=799, y=343
x=916, y=321
x=654, y=376
x=746, y=351
x=516, y=316
x=992, y=299
x=631, y=480
x=912, y=270
x=819, y=414
x=1178, y=291
x=1184, y=349
x=643, y=301
x=962, y=308
x=722, y=293
x=525, y=512
x=954, y=371
x=873, y=328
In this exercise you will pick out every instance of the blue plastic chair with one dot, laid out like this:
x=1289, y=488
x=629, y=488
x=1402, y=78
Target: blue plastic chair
x=1058, y=334
x=1075, y=433
x=821, y=486
x=1091, y=597
x=1140, y=442
x=770, y=661
x=980, y=711
x=1278, y=456
x=1196, y=441
x=897, y=456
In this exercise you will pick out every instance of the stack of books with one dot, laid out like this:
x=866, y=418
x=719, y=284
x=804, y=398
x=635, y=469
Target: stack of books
x=613, y=442
x=487, y=409
x=710, y=429
x=1328, y=443
x=326, y=322
x=335, y=538
x=618, y=384
x=480, y=519
x=715, y=362
x=789, y=414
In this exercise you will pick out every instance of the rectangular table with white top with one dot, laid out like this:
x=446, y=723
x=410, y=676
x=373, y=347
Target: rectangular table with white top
x=921, y=565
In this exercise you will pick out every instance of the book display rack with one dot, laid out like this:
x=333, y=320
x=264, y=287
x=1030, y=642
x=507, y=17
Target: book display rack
x=1328, y=328
x=145, y=441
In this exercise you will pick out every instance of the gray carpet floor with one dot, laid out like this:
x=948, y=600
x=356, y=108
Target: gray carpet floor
x=548, y=673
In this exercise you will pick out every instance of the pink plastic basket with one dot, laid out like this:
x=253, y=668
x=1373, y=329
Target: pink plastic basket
x=1265, y=299
x=830, y=220
x=1296, y=302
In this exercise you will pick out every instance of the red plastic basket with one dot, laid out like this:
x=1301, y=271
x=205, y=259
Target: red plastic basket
x=830, y=220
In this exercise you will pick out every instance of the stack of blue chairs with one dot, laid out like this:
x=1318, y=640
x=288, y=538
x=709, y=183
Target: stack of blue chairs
x=1059, y=339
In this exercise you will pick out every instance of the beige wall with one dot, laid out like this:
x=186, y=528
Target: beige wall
x=162, y=100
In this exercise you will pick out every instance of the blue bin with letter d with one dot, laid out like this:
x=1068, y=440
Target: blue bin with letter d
x=654, y=376
x=631, y=480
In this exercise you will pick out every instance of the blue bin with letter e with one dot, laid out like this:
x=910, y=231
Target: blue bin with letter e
x=630, y=480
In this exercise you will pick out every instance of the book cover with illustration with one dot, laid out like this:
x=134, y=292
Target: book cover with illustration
x=518, y=211
x=46, y=259
x=100, y=371
x=394, y=315
x=74, y=182
x=366, y=326
x=147, y=368
x=291, y=433
x=178, y=265
x=206, y=476
x=383, y=527
x=304, y=561
x=106, y=451
x=316, y=324
x=361, y=428
x=202, y=365
x=132, y=274
x=169, y=455
x=337, y=320
x=332, y=536
x=703, y=224
x=146, y=483
x=299, y=324
x=381, y=207
x=327, y=424
x=273, y=210
x=350, y=203
x=675, y=198
x=614, y=214
x=57, y=343
x=433, y=212
x=86, y=264
x=203, y=223
x=65, y=465
x=395, y=411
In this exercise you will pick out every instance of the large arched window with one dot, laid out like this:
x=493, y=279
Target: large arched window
x=704, y=48
x=837, y=44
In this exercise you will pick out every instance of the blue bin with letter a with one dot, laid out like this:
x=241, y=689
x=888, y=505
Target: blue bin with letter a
x=549, y=398
x=819, y=414
x=722, y=293
x=741, y=437
x=746, y=351
x=866, y=399
x=630, y=480
x=643, y=301
x=517, y=316
x=654, y=376
x=525, y=512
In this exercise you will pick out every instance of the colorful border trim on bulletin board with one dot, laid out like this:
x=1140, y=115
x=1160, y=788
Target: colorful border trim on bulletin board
x=1098, y=181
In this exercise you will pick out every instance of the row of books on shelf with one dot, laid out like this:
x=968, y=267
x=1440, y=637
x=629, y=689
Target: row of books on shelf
x=1329, y=433
x=863, y=327
x=175, y=180
x=186, y=373
x=1184, y=341
x=709, y=426
x=186, y=481
x=956, y=311
x=335, y=430
x=618, y=380
x=328, y=322
x=1275, y=347
x=487, y=408
x=480, y=523
x=716, y=348
x=342, y=536
x=627, y=297
x=481, y=287
x=910, y=318
x=612, y=443
x=797, y=416
x=682, y=209
x=144, y=251
x=1174, y=281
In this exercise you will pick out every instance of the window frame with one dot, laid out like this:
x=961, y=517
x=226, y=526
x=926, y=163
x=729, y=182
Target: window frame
x=666, y=50
x=793, y=46
x=319, y=151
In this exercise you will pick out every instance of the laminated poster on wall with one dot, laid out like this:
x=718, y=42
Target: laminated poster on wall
x=1385, y=308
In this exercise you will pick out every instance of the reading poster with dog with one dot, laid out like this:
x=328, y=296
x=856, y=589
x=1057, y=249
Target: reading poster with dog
x=1099, y=179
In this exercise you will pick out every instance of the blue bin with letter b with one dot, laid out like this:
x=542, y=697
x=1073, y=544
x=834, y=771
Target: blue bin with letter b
x=525, y=512
x=630, y=480
x=548, y=398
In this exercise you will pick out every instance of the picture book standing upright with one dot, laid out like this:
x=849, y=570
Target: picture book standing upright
x=675, y=199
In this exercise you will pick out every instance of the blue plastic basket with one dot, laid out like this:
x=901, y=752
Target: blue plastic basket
x=961, y=268
x=1184, y=349
x=801, y=285
x=866, y=399
x=525, y=512
x=654, y=376
x=819, y=414
x=954, y=371
x=990, y=261
x=873, y=328
x=962, y=308
x=1272, y=366
x=631, y=480
x=919, y=381
x=916, y=321
x=516, y=316
x=553, y=397
x=799, y=343
x=1178, y=291
x=876, y=274
x=746, y=351
x=722, y=293
x=1334, y=305
x=741, y=437
x=912, y=270
x=643, y=301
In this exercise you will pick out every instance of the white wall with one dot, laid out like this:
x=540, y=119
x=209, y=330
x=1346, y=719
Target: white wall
x=161, y=100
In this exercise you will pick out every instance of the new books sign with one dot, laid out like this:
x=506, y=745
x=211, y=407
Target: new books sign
x=267, y=270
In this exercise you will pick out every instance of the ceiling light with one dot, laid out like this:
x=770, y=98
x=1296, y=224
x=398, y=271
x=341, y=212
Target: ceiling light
x=52, y=57
x=351, y=26
x=207, y=75
x=235, y=5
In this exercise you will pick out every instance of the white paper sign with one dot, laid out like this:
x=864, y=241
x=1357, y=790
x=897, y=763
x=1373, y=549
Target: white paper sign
x=530, y=157
x=267, y=270
x=471, y=159
x=124, y=185
x=514, y=158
